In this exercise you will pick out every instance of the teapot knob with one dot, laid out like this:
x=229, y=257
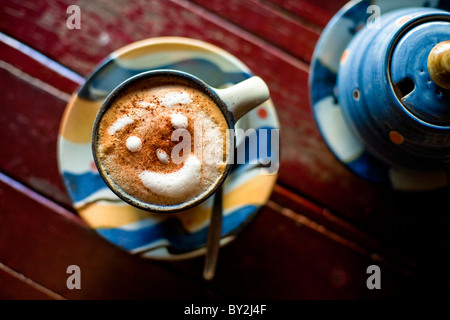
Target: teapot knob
x=439, y=64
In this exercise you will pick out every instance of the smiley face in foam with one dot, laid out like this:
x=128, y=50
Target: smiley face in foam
x=174, y=184
x=137, y=144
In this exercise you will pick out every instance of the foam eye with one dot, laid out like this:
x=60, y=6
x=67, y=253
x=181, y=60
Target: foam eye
x=179, y=121
x=162, y=156
x=134, y=143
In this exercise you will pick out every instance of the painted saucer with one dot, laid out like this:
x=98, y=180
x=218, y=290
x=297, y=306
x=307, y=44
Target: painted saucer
x=180, y=235
x=333, y=41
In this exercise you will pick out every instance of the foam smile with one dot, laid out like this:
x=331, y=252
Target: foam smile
x=174, y=184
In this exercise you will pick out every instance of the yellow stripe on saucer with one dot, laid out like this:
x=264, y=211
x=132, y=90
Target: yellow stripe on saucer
x=109, y=215
x=254, y=192
x=161, y=44
x=78, y=119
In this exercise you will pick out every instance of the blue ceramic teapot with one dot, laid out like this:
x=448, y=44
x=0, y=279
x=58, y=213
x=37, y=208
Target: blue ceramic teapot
x=393, y=88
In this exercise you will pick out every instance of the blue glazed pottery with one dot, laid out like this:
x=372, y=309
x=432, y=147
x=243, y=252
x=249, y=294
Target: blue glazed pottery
x=387, y=96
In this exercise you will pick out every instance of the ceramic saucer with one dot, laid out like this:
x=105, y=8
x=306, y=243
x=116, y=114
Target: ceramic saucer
x=159, y=236
x=325, y=103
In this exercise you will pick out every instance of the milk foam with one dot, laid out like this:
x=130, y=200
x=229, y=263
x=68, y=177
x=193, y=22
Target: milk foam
x=172, y=98
x=137, y=146
x=145, y=104
x=120, y=124
x=174, y=184
x=134, y=143
x=162, y=156
x=179, y=121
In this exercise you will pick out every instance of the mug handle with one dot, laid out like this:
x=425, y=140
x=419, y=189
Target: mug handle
x=244, y=96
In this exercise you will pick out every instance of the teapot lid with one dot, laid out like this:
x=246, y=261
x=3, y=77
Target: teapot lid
x=409, y=73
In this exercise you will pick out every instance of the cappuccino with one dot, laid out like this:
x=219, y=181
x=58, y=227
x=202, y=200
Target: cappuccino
x=163, y=143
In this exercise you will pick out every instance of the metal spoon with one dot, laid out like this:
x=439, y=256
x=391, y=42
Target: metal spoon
x=213, y=238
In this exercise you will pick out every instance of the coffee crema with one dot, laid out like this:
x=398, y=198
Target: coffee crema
x=163, y=143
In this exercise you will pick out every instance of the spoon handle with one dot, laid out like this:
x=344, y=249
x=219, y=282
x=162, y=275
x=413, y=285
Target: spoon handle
x=213, y=238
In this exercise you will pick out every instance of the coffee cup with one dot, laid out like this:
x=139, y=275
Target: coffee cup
x=162, y=139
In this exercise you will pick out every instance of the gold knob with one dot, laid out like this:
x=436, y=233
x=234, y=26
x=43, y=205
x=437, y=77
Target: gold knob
x=439, y=64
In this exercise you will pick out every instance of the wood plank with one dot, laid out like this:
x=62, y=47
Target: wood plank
x=290, y=202
x=37, y=65
x=287, y=262
x=407, y=241
x=17, y=287
x=29, y=127
x=46, y=242
x=178, y=18
x=278, y=258
x=269, y=23
x=318, y=12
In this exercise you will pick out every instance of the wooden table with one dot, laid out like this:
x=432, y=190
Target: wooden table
x=319, y=232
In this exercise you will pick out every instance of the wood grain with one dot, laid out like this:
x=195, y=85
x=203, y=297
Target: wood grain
x=31, y=62
x=29, y=128
x=298, y=259
x=318, y=12
x=17, y=287
x=282, y=30
x=288, y=262
x=46, y=242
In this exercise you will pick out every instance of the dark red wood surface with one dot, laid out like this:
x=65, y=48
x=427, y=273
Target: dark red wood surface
x=315, y=238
